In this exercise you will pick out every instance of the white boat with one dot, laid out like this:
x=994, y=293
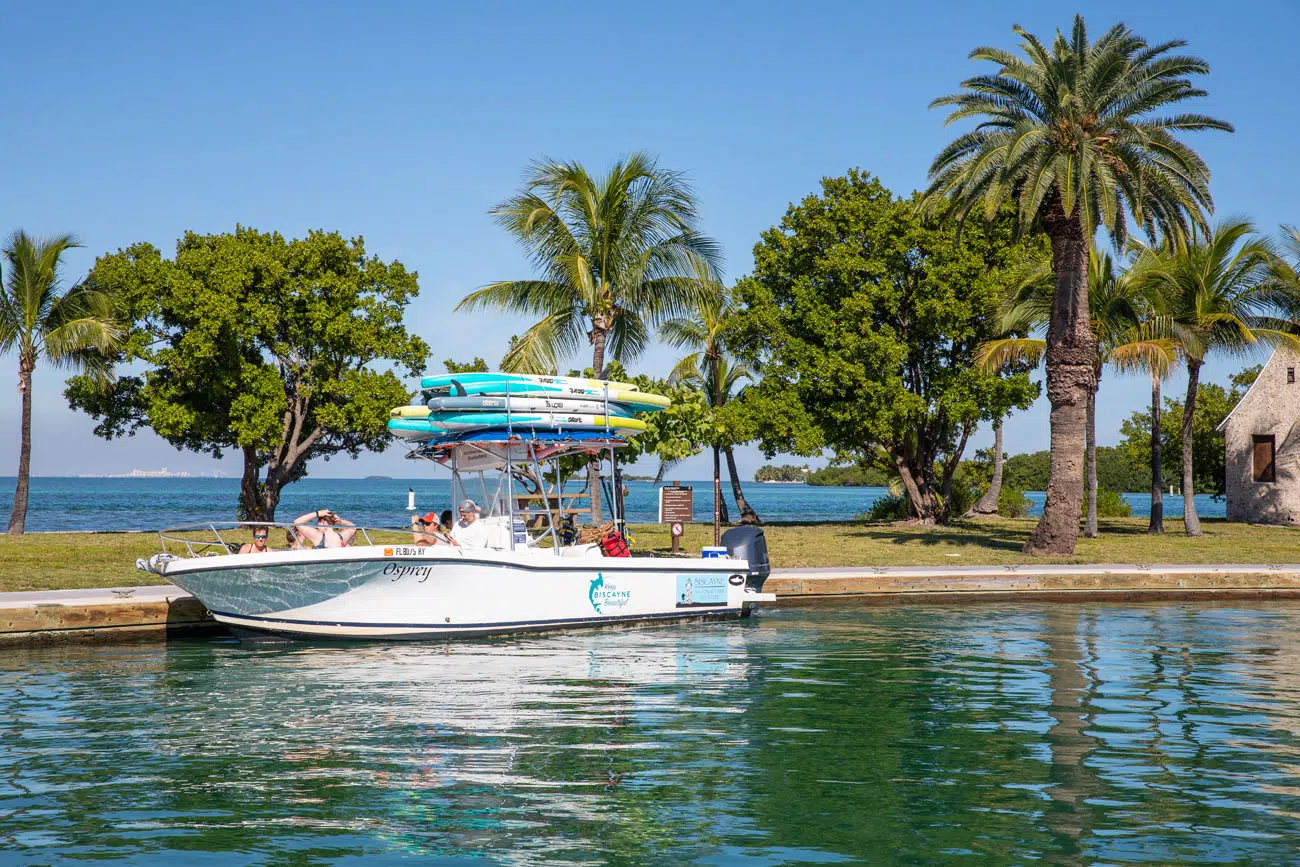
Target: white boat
x=384, y=586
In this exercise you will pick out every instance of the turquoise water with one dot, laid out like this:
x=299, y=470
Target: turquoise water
x=1137, y=734
x=149, y=504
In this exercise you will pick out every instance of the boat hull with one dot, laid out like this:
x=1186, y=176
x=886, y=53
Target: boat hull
x=407, y=592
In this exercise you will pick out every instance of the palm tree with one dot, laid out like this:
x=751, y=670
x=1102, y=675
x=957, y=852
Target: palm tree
x=1073, y=137
x=617, y=255
x=1121, y=335
x=710, y=369
x=1218, y=292
x=1151, y=348
x=75, y=329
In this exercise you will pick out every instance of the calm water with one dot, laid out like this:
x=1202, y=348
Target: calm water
x=979, y=735
x=149, y=504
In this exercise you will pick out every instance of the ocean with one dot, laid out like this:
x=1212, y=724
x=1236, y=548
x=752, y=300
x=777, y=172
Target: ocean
x=60, y=503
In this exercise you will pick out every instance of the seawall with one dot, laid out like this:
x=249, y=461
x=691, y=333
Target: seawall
x=1092, y=581
x=114, y=614
x=143, y=613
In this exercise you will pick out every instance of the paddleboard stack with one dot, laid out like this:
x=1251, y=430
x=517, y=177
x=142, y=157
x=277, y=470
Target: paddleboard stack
x=453, y=404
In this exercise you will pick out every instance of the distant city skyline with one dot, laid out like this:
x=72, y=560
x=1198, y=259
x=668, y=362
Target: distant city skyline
x=406, y=122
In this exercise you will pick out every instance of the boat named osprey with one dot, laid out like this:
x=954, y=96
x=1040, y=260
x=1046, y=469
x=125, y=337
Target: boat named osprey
x=527, y=570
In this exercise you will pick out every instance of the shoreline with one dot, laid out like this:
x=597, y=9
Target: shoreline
x=161, y=611
x=57, y=585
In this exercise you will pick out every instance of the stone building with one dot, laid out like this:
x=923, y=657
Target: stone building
x=1262, y=439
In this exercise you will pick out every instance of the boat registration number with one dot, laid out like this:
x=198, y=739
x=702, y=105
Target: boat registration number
x=406, y=551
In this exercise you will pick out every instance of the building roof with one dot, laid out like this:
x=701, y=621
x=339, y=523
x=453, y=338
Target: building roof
x=1280, y=353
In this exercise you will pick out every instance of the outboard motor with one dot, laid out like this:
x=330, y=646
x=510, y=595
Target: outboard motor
x=747, y=543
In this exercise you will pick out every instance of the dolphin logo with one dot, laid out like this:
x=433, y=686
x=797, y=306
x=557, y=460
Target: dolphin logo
x=591, y=594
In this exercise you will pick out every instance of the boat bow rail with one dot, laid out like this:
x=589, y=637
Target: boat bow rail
x=219, y=538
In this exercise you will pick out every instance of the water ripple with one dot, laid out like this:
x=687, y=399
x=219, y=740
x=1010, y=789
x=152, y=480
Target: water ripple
x=997, y=734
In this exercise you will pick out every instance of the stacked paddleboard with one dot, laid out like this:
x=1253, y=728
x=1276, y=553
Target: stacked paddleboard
x=450, y=405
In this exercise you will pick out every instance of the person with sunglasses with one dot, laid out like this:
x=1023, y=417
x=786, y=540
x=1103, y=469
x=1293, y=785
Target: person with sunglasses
x=258, y=545
x=427, y=530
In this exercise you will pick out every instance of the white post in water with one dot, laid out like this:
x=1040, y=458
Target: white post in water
x=410, y=499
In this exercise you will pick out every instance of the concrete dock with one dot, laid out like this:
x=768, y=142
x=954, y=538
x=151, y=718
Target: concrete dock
x=132, y=613
x=1090, y=581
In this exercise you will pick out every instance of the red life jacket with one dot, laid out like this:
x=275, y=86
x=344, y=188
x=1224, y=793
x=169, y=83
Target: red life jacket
x=614, y=545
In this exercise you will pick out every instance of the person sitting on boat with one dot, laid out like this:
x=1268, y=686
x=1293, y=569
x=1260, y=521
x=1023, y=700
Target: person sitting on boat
x=469, y=531
x=326, y=533
x=445, y=522
x=427, y=530
x=258, y=545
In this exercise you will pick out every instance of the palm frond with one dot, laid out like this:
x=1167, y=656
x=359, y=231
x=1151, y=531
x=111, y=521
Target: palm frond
x=622, y=248
x=995, y=355
x=539, y=349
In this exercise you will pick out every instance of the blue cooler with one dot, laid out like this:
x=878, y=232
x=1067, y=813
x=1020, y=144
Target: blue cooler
x=710, y=551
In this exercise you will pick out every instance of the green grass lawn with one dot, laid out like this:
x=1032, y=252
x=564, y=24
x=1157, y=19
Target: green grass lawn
x=47, y=561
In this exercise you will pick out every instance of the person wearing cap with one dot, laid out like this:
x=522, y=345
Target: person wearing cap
x=427, y=530
x=469, y=531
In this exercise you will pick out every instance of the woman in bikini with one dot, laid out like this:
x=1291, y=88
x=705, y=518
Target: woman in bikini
x=326, y=532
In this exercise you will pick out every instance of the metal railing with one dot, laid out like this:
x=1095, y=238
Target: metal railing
x=227, y=537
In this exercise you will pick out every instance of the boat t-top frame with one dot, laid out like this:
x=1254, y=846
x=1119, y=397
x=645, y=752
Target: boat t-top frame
x=521, y=453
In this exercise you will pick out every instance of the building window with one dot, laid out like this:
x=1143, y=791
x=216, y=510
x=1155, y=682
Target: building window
x=1265, y=450
x=1290, y=376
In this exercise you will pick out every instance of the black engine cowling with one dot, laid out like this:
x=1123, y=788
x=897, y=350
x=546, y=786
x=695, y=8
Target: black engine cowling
x=748, y=543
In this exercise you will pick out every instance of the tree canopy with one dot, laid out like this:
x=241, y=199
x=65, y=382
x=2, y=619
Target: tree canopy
x=865, y=318
x=279, y=348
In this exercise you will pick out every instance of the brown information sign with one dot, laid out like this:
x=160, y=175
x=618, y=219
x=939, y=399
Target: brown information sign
x=676, y=505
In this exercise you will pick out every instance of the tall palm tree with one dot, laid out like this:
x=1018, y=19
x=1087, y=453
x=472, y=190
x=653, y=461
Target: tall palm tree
x=1218, y=292
x=1076, y=137
x=1151, y=347
x=616, y=254
x=75, y=329
x=1121, y=335
x=710, y=368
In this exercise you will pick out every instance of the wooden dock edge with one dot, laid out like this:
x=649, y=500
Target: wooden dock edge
x=116, y=620
x=1147, y=584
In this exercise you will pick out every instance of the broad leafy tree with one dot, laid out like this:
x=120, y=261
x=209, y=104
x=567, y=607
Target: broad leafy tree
x=1218, y=292
x=866, y=317
x=280, y=349
x=1077, y=136
x=614, y=255
x=73, y=329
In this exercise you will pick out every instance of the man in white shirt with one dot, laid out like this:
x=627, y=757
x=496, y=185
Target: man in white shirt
x=469, y=531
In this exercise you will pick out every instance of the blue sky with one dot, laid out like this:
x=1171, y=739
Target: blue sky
x=406, y=122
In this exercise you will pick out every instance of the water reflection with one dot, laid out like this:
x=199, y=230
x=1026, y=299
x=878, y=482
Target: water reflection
x=927, y=734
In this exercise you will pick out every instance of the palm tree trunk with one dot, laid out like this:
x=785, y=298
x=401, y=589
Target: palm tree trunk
x=598, y=337
x=747, y=513
x=1090, y=526
x=1071, y=354
x=18, y=519
x=1190, y=519
x=987, y=506
x=1157, y=524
